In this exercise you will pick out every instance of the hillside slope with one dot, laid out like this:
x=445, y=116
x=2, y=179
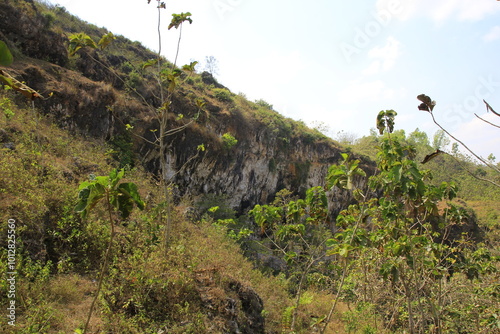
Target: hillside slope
x=97, y=93
x=201, y=283
x=405, y=256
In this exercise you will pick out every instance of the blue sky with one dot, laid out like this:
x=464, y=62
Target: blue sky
x=337, y=62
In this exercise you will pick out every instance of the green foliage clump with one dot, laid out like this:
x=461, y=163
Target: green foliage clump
x=399, y=255
x=264, y=104
x=229, y=140
x=123, y=150
x=6, y=106
x=127, y=67
x=223, y=95
x=49, y=19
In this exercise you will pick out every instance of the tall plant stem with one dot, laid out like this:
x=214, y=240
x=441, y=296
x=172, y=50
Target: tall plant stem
x=159, y=57
x=162, y=113
x=337, y=296
x=104, y=265
x=299, y=293
x=178, y=46
x=345, y=269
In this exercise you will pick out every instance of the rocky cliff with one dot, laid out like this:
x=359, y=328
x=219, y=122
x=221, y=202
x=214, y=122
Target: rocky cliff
x=91, y=94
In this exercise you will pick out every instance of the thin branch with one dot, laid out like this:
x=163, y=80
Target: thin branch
x=178, y=46
x=472, y=174
x=489, y=108
x=159, y=56
x=492, y=124
x=132, y=132
x=484, y=161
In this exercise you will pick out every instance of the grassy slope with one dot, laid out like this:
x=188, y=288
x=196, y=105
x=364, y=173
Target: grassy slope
x=145, y=290
x=59, y=254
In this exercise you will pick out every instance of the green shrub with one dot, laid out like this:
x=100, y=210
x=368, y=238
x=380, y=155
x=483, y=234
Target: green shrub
x=127, y=67
x=123, y=150
x=6, y=106
x=223, y=95
x=264, y=104
x=134, y=79
x=49, y=19
x=229, y=140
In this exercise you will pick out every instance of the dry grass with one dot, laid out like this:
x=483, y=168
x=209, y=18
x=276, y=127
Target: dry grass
x=71, y=296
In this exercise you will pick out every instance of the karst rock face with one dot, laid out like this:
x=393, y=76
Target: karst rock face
x=254, y=170
x=271, y=153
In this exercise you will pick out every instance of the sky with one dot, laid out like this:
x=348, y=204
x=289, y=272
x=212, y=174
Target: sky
x=337, y=63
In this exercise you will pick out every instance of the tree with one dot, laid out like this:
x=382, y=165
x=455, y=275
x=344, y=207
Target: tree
x=119, y=200
x=397, y=246
x=296, y=231
x=346, y=138
x=168, y=77
x=419, y=139
x=212, y=65
x=440, y=140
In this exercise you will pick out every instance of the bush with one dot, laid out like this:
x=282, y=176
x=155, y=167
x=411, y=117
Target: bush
x=127, y=67
x=49, y=19
x=134, y=80
x=223, y=95
x=229, y=140
x=264, y=104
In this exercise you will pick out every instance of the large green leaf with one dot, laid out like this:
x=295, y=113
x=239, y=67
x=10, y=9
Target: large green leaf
x=6, y=58
x=178, y=19
x=78, y=41
x=124, y=206
x=106, y=40
x=129, y=190
x=115, y=176
x=82, y=204
x=385, y=121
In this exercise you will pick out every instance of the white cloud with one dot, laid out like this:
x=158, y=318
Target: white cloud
x=442, y=10
x=264, y=76
x=383, y=57
x=283, y=66
x=368, y=91
x=492, y=35
x=479, y=136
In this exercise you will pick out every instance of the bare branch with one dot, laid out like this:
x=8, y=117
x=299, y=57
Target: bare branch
x=489, y=108
x=484, y=161
x=132, y=132
x=492, y=124
x=472, y=174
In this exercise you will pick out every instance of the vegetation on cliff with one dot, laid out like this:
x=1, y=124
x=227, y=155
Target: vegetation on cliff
x=405, y=254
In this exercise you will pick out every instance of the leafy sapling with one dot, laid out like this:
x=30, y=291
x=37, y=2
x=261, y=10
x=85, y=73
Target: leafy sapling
x=119, y=200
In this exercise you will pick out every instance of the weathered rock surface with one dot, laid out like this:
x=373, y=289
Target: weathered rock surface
x=86, y=99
